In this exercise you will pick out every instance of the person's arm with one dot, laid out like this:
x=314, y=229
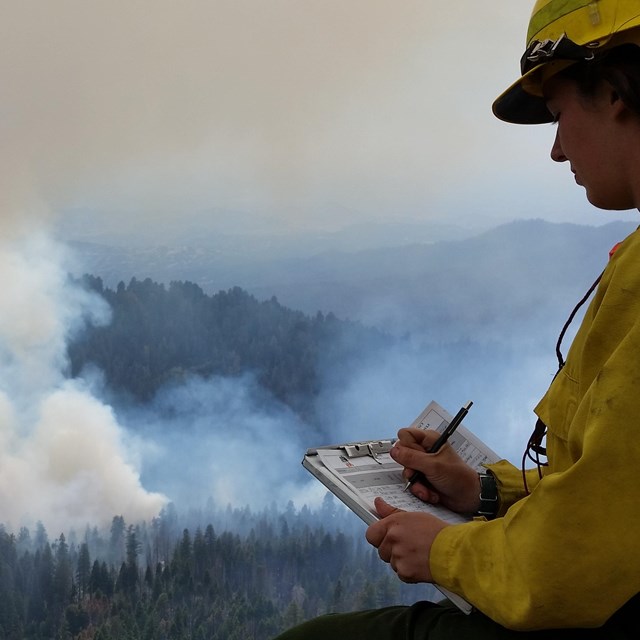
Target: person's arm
x=566, y=555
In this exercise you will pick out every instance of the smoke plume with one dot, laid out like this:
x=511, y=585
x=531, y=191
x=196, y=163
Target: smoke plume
x=63, y=460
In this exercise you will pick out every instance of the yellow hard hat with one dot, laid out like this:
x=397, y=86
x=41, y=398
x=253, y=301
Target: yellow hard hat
x=561, y=33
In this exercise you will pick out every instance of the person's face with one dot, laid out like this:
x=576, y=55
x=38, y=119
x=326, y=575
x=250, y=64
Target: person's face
x=588, y=136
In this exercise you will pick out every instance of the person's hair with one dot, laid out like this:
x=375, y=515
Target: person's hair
x=620, y=67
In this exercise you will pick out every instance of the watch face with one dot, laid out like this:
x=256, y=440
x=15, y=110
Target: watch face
x=488, y=496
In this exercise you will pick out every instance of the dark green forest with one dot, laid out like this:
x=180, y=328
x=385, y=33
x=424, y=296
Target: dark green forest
x=223, y=572
x=161, y=335
x=250, y=575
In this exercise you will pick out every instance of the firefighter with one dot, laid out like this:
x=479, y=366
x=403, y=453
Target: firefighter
x=554, y=551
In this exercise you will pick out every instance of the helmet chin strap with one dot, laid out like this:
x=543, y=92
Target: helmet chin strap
x=572, y=315
x=535, y=449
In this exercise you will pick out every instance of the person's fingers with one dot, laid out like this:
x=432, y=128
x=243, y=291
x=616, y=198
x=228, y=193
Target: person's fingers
x=409, y=457
x=425, y=493
x=417, y=438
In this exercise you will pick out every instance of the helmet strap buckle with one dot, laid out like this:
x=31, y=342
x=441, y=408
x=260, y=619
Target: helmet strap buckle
x=546, y=50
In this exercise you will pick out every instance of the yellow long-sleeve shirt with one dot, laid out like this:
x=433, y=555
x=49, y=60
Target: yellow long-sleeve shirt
x=568, y=554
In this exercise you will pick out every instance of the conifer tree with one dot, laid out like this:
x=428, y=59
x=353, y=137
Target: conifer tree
x=83, y=572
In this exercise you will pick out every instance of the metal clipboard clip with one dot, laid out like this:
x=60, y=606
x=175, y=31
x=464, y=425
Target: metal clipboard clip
x=373, y=449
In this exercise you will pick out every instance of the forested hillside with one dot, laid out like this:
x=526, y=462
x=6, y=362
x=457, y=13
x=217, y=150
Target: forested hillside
x=158, y=335
x=242, y=576
x=219, y=572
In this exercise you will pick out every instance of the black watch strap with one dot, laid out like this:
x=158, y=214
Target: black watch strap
x=488, y=496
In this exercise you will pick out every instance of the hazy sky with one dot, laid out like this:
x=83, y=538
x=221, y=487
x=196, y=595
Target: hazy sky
x=293, y=114
x=302, y=113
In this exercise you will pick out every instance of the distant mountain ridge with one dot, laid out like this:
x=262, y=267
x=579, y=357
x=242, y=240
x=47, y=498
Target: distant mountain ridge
x=527, y=270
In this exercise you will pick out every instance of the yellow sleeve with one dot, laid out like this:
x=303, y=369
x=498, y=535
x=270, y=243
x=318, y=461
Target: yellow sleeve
x=567, y=555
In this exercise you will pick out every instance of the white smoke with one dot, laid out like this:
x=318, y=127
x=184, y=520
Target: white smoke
x=301, y=111
x=226, y=439
x=62, y=455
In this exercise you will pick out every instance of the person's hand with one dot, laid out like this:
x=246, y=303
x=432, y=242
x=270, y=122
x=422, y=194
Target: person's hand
x=454, y=483
x=404, y=540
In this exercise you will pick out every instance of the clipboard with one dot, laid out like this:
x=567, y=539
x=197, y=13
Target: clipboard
x=356, y=472
x=313, y=462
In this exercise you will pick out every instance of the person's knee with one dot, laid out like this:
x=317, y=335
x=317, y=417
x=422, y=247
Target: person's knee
x=321, y=628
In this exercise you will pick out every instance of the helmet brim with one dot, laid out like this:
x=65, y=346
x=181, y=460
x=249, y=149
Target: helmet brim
x=523, y=102
x=517, y=106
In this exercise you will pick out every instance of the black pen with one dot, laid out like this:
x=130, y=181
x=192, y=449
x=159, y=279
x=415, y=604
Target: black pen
x=418, y=476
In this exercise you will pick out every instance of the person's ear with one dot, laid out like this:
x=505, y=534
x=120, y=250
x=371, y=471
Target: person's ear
x=617, y=104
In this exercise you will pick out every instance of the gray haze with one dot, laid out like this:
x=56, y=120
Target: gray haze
x=257, y=130
x=478, y=318
x=268, y=116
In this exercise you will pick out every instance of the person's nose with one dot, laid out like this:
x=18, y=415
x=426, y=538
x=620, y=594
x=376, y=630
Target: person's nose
x=557, y=154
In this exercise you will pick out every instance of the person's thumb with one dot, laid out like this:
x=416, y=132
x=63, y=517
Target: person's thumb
x=384, y=509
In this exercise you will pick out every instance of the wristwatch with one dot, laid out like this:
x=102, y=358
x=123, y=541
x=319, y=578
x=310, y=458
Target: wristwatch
x=488, y=497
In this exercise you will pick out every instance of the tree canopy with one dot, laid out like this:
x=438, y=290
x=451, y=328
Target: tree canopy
x=160, y=335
